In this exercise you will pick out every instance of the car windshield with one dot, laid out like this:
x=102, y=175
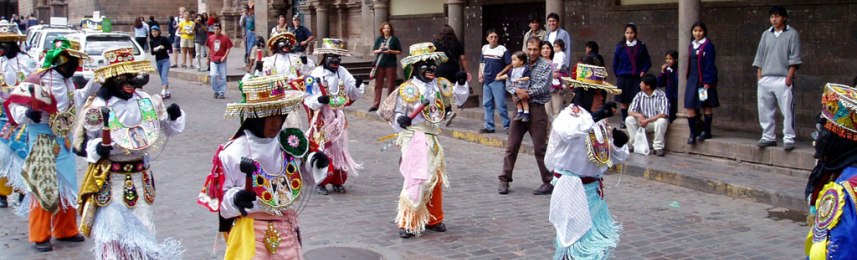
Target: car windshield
x=50, y=37
x=95, y=45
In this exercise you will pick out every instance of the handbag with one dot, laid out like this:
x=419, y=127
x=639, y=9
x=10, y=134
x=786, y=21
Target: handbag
x=374, y=71
x=641, y=142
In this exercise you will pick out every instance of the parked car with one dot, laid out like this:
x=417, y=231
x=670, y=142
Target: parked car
x=40, y=39
x=94, y=44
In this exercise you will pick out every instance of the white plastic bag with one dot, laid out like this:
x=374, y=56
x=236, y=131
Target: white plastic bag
x=641, y=143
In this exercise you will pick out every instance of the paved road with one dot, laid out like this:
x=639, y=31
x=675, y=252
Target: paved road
x=660, y=221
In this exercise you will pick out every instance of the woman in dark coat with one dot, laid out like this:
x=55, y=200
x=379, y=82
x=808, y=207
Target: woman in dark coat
x=630, y=62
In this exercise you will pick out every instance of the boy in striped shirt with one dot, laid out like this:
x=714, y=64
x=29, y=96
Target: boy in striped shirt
x=649, y=110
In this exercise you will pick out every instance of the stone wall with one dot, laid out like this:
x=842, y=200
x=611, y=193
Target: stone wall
x=827, y=31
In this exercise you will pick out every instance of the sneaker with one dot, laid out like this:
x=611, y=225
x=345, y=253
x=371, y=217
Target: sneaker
x=486, y=131
x=373, y=109
x=339, y=189
x=765, y=143
x=174, y=66
x=3, y=202
x=789, y=146
x=660, y=152
x=216, y=95
x=449, y=116
x=525, y=117
x=222, y=95
x=622, y=125
x=165, y=94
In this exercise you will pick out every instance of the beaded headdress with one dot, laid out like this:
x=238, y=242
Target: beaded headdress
x=263, y=97
x=839, y=107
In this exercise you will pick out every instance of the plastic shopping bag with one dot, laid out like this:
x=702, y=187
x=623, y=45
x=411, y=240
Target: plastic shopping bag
x=641, y=143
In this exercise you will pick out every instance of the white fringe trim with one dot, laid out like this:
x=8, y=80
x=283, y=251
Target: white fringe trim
x=120, y=234
x=11, y=167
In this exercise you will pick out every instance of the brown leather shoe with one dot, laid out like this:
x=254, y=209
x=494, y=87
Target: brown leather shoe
x=545, y=189
x=504, y=188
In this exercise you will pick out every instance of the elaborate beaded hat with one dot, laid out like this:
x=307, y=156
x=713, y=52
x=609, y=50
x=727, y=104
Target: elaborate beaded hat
x=63, y=45
x=272, y=42
x=332, y=46
x=422, y=52
x=263, y=97
x=591, y=77
x=839, y=107
x=121, y=61
x=10, y=33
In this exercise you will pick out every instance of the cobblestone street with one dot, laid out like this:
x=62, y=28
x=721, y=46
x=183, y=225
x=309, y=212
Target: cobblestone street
x=660, y=221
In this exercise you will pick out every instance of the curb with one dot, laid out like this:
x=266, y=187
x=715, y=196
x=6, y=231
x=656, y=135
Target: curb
x=708, y=185
x=200, y=77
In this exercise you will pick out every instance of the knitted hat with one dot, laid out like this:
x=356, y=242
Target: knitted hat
x=263, y=97
x=121, y=61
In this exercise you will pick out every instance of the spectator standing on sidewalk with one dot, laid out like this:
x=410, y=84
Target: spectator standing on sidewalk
x=649, y=110
x=186, y=32
x=701, y=90
x=447, y=42
x=175, y=36
x=281, y=26
x=668, y=79
x=630, y=62
x=556, y=33
x=219, y=46
x=249, y=25
x=777, y=60
x=160, y=49
x=536, y=31
x=200, y=31
x=141, y=31
x=496, y=59
x=386, y=48
x=538, y=94
x=302, y=34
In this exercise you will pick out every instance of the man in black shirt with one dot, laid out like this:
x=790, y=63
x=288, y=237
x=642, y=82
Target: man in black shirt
x=302, y=34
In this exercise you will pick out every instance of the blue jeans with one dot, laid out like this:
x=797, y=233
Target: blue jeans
x=164, y=71
x=251, y=41
x=218, y=77
x=494, y=95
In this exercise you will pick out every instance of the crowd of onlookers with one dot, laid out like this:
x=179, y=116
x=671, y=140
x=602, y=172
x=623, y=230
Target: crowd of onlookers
x=649, y=99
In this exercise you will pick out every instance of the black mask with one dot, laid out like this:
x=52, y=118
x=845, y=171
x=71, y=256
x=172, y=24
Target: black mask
x=256, y=126
x=10, y=50
x=112, y=87
x=331, y=62
x=283, y=43
x=423, y=68
x=67, y=69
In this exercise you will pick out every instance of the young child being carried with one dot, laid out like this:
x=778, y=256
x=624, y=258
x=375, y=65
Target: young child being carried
x=519, y=76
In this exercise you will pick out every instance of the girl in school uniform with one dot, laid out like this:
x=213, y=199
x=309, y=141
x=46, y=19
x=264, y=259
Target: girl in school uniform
x=630, y=62
x=668, y=80
x=701, y=90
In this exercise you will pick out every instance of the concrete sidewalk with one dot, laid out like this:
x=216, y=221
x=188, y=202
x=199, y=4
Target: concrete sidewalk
x=776, y=186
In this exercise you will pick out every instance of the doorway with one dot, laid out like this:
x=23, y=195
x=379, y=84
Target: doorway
x=511, y=22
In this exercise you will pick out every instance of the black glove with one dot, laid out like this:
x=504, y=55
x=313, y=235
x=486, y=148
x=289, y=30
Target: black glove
x=319, y=160
x=606, y=111
x=103, y=150
x=620, y=138
x=174, y=112
x=324, y=99
x=247, y=166
x=404, y=121
x=358, y=82
x=303, y=60
x=461, y=77
x=34, y=115
x=244, y=200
